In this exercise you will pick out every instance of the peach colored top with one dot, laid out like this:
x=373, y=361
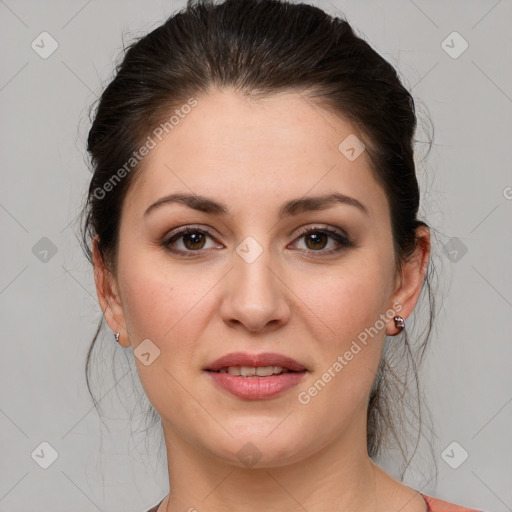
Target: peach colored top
x=437, y=505
x=433, y=504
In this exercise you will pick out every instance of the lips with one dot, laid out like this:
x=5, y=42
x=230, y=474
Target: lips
x=255, y=376
x=255, y=360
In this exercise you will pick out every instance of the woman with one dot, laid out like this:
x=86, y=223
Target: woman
x=252, y=221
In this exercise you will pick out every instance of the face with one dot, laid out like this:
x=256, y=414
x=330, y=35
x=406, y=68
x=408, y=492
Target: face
x=257, y=272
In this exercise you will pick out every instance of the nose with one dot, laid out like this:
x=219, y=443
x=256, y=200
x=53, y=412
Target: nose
x=255, y=295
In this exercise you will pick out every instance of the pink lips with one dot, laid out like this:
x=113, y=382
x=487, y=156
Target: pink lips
x=255, y=387
x=246, y=359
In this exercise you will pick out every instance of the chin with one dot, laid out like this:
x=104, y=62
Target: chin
x=261, y=446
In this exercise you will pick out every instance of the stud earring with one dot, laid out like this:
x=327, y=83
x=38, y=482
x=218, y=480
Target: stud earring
x=399, y=323
x=116, y=336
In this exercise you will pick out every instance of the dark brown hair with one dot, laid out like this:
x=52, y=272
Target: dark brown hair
x=261, y=47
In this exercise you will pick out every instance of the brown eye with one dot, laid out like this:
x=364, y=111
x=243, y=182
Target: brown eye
x=196, y=240
x=316, y=240
x=189, y=241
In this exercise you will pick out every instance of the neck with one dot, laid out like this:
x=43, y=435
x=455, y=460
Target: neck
x=340, y=476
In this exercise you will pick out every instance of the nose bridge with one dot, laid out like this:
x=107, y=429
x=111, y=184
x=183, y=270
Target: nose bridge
x=255, y=295
x=253, y=279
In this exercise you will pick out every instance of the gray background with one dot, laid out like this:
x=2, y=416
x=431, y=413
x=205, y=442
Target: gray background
x=47, y=299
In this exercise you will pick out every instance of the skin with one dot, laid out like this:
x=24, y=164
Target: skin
x=293, y=299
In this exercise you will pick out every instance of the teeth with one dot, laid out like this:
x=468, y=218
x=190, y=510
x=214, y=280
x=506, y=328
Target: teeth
x=265, y=371
x=247, y=371
x=251, y=371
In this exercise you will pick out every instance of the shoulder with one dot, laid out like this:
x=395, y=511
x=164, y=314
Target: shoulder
x=438, y=505
x=155, y=508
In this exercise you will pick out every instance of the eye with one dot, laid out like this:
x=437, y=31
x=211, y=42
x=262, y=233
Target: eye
x=190, y=239
x=316, y=239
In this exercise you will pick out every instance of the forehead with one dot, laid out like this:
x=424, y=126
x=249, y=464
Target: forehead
x=256, y=152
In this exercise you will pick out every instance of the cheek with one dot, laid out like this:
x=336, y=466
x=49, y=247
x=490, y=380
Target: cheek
x=168, y=311
x=171, y=307
x=344, y=303
x=158, y=307
x=348, y=324
x=349, y=338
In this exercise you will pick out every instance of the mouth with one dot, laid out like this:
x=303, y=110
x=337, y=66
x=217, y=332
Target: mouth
x=256, y=376
x=253, y=371
x=249, y=365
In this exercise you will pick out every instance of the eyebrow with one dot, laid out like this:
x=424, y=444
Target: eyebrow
x=290, y=208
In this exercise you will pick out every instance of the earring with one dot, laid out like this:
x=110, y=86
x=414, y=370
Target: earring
x=399, y=323
x=116, y=336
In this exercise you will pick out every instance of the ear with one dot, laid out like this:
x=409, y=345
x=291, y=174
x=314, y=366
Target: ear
x=108, y=295
x=410, y=280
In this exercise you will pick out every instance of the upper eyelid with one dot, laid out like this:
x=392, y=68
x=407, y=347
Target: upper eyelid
x=208, y=230
x=338, y=231
x=303, y=230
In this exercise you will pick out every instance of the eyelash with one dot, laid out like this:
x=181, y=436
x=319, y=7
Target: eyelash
x=343, y=241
